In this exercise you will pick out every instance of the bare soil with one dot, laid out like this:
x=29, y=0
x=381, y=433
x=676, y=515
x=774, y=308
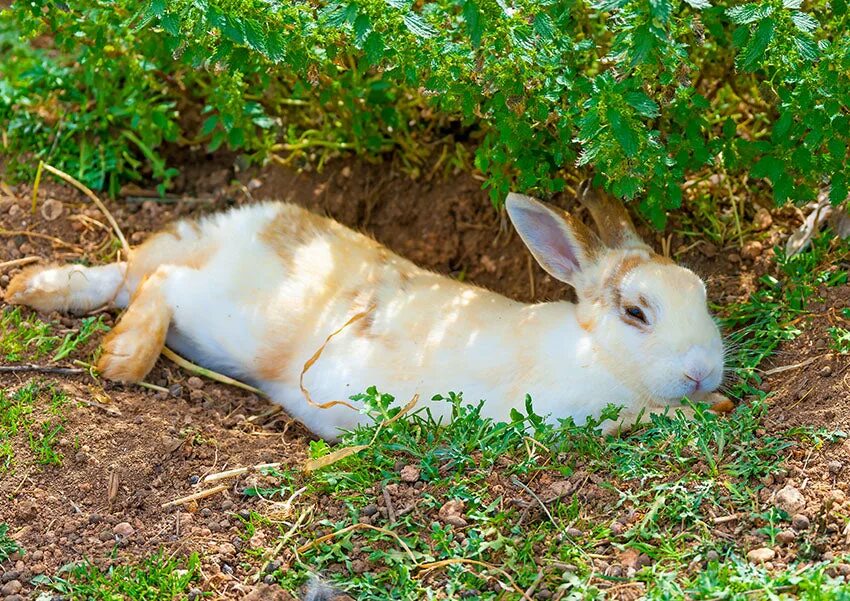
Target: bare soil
x=128, y=450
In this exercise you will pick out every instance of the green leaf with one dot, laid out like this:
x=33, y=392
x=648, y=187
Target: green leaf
x=362, y=26
x=627, y=138
x=806, y=48
x=749, y=13
x=543, y=26
x=209, y=125
x=418, y=26
x=803, y=22
x=642, y=103
x=374, y=48
x=758, y=44
x=699, y=4
x=837, y=189
x=782, y=126
x=472, y=18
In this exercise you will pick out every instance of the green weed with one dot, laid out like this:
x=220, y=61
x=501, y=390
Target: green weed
x=158, y=578
x=7, y=545
x=30, y=339
x=21, y=413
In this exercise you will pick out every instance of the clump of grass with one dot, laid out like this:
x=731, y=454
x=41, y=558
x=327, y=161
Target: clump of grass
x=7, y=545
x=19, y=418
x=157, y=578
x=30, y=339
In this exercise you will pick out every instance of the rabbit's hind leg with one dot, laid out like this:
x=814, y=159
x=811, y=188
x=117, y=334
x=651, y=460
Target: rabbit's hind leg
x=134, y=344
x=73, y=288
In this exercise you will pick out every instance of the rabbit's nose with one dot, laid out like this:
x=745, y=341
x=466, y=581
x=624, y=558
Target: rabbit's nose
x=698, y=374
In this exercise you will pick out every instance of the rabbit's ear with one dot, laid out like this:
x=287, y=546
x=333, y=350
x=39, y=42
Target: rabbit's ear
x=561, y=244
x=611, y=218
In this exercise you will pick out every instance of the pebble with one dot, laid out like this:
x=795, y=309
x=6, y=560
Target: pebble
x=751, y=249
x=762, y=220
x=195, y=593
x=761, y=555
x=369, y=510
x=733, y=258
x=452, y=513
x=574, y=532
x=410, y=473
x=51, y=209
x=105, y=536
x=227, y=505
x=10, y=575
x=786, y=537
x=13, y=587
x=800, y=522
x=14, y=598
x=712, y=555
x=358, y=566
x=790, y=500
x=195, y=383
x=227, y=549
x=123, y=529
x=825, y=371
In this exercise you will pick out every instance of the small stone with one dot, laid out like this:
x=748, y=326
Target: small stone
x=227, y=505
x=14, y=598
x=761, y=555
x=733, y=258
x=712, y=555
x=452, y=513
x=709, y=249
x=762, y=220
x=51, y=209
x=786, y=537
x=617, y=528
x=828, y=556
x=409, y=473
x=574, y=532
x=10, y=575
x=13, y=587
x=358, y=566
x=95, y=518
x=837, y=496
x=227, y=549
x=751, y=249
x=195, y=383
x=123, y=529
x=800, y=522
x=790, y=500
x=825, y=371
x=105, y=536
x=369, y=510
x=195, y=593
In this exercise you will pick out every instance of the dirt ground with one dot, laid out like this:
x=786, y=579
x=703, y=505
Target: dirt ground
x=132, y=449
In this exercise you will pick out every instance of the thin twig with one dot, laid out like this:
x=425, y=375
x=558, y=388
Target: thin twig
x=358, y=526
x=53, y=239
x=198, y=495
x=64, y=371
x=427, y=567
x=208, y=373
x=18, y=262
x=239, y=471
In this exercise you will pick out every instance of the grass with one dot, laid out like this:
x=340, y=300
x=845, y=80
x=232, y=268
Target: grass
x=33, y=413
x=28, y=338
x=157, y=578
x=7, y=545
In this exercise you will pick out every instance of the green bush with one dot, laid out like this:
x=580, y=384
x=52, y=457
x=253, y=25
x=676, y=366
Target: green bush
x=646, y=94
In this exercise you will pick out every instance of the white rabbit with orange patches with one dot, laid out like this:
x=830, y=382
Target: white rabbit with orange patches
x=255, y=291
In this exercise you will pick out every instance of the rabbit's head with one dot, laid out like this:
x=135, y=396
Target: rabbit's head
x=646, y=316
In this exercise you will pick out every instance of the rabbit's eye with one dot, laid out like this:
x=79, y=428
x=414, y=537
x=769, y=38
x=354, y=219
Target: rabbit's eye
x=637, y=313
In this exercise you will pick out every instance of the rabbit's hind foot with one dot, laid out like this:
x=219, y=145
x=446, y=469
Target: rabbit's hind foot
x=73, y=288
x=133, y=346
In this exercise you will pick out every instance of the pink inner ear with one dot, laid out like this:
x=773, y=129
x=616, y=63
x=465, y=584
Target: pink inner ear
x=549, y=242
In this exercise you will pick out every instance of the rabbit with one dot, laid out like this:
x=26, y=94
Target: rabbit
x=255, y=291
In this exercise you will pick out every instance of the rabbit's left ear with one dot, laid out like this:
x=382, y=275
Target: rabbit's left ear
x=611, y=218
x=561, y=244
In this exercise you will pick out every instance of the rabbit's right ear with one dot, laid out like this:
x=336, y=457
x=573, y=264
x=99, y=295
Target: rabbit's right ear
x=561, y=244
